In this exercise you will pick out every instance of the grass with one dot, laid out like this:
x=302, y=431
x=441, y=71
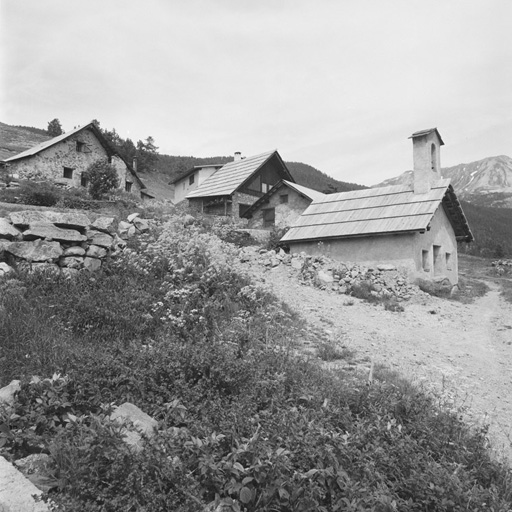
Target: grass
x=244, y=420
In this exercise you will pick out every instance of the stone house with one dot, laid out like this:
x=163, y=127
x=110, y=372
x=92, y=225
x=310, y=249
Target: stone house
x=65, y=158
x=414, y=227
x=281, y=206
x=192, y=179
x=230, y=190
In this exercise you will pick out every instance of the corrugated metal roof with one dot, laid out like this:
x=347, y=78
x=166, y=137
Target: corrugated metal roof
x=308, y=192
x=229, y=177
x=392, y=209
x=36, y=149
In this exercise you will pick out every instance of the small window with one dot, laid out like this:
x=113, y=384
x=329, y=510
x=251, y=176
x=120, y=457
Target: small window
x=425, y=263
x=68, y=173
x=437, y=260
x=265, y=187
x=83, y=180
x=128, y=186
x=448, y=261
x=80, y=146
x=269, y=217
x=284, y=198
x=191, y=179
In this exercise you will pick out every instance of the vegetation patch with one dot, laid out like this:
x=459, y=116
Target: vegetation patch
x=175, y=327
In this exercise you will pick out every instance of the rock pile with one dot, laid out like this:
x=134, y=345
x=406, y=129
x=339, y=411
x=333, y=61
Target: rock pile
x=382, y=281
x=502, y=267
x=62, y=242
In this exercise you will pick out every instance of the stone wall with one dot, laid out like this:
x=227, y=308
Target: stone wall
x=61, y=242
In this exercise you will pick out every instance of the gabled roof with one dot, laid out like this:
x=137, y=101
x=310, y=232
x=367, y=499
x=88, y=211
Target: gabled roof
x=305, y=191
x=378, y=211
x=421, y=133
x=91, y=126
x=233, y=175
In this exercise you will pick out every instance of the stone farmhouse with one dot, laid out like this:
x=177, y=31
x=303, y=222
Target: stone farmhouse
x=414, y=227
x=281, y=206
x=65, y=158
x=232, y=188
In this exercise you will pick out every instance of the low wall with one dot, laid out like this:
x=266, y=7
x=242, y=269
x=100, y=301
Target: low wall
x=64, y=242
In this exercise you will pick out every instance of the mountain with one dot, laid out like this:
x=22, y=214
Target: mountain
x=486, y=182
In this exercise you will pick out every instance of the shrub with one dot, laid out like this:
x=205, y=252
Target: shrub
x=102, y=178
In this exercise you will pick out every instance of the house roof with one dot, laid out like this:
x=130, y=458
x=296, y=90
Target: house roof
x=192, y=170
x=97, y=132
x=233, y=175
x=421, y=133
x=305, y=191
x=378, y=211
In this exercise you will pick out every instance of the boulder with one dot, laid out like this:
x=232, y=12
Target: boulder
x=188, y=220
x=95, y=251
x=68, y=219
x=50, y=231
x=17, y=493
x=71, y=262
x=5, y=269
x=102, y=239
x=75, y=250
x=296, y=263
x=324, y=277
x=132, y=217
x=39, y=469
x=25, y=218
x=69, y=273
x=39, y=250
x=136, y=423
x=105, y=224
x=141, y=224
x=92, y=264
x=8, y=392
x=8, y=231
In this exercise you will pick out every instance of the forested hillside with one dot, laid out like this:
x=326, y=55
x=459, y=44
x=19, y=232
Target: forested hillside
x=492, y=229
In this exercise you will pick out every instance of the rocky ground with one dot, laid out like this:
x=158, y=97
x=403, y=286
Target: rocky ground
x=461, y=351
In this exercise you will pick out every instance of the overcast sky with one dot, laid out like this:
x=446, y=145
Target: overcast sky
x=337, y=84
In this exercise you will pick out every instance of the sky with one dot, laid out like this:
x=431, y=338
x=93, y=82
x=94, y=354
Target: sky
x=337, y=84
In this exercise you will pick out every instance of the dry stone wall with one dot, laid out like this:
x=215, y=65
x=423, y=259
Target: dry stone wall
x=62, y=242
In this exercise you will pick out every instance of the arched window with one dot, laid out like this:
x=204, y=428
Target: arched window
x=433, y=157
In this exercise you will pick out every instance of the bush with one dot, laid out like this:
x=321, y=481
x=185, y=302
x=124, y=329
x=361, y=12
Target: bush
x=102, y=178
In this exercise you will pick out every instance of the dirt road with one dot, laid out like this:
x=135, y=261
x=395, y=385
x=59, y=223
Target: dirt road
x=463, y=351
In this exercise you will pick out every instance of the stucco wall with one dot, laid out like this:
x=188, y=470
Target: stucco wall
x=285, y=213
x=441, y=234
x=50, y=163
x=403, y=251
x=183, y=187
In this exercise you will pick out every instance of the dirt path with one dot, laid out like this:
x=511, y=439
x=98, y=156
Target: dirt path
x=464, y=351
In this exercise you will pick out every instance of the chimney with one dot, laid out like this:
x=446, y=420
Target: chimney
x=134, y=165
x=426, y=145
x=238, y=156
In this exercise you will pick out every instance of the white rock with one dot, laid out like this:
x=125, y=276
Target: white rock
x=92, y=264
x=132, y=217
x=8, y=392
x=5, y=269
x=137, y=422
x=16, y=491
x=386, y=267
